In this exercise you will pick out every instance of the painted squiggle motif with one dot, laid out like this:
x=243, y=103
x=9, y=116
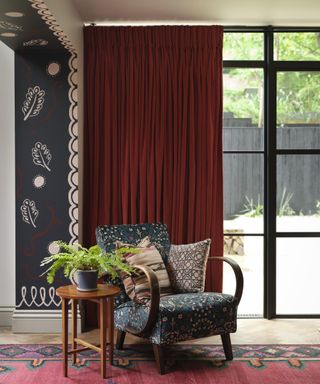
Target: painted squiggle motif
x=41, y=155
x=33, y=103
x=43, y=297
x=29, y=212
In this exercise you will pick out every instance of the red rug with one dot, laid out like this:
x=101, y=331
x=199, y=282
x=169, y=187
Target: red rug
x=252, y=364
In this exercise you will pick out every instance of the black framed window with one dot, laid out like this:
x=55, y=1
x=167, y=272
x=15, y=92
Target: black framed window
x=243, y=141
x=271, y=163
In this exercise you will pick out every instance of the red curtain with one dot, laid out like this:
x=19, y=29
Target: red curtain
x=153, y=132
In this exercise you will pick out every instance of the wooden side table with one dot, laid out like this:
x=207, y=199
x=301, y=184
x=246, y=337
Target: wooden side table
x=104, y=296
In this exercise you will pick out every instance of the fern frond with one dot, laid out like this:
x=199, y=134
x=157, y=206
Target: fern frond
x=75, y=256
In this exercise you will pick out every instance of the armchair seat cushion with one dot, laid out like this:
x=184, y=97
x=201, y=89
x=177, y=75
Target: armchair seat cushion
x=182, y=316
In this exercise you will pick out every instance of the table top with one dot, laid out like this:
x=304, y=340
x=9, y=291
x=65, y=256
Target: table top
x=71, y=292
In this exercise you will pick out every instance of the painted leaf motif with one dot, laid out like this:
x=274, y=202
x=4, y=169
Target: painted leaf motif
x=33, y=102
x=9, y=26
x=29, y=212
x=35, y=42
x=41, y=155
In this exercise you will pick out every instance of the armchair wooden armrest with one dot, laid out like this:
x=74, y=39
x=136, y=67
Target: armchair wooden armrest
x=154, y=301
x=238, y=275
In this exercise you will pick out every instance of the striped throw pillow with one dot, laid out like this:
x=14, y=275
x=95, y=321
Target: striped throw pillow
x=136, y=285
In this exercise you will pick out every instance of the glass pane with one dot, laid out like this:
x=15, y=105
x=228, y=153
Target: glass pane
x=298, y=113
x=299, y=46
x=243, y=193
x=298, y=193
x=298, y=284
x=250, y=259
x=243, y=46
x=243, y=109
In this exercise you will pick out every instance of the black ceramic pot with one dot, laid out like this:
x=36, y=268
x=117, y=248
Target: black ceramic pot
x=85, y=280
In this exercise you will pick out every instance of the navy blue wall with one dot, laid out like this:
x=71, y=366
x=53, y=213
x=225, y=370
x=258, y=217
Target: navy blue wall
x=42, y=138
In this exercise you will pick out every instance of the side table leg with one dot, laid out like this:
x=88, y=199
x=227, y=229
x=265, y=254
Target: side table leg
x=103, y=336
x=111, y=328
x=64, y=303
x=74, y=329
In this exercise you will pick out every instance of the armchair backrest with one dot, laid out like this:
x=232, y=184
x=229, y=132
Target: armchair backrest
x=107, y=235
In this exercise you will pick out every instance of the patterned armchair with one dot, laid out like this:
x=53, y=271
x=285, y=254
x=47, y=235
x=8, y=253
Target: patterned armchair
x=173, y=318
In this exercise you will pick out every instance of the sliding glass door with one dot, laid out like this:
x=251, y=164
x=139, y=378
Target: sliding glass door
x=297, y=181
x=272, y=168
x=244, y=129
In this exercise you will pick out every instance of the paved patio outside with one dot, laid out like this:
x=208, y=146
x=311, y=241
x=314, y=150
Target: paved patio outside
x=298, y=266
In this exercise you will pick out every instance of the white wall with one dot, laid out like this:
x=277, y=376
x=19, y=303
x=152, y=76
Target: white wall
x=7, y=183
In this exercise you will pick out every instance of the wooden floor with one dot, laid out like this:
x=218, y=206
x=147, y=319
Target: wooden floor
x=250, y=331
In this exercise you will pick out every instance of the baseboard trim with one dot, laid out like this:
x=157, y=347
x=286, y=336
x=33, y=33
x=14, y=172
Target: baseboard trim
x=37, y=321
x=6, y=316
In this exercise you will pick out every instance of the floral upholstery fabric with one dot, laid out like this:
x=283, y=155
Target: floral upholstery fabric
x=107, y=235
x=182, y=317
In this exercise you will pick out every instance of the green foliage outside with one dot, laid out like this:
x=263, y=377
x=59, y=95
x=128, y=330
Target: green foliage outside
x=297, y=46
x=251, y=208
x=255, y=209
x=243, y=93
x=284, y=206
x=75, y=256
x=298, y=93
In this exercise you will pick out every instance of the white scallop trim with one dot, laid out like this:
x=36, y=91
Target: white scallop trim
x=73, y=149
x=47, y=16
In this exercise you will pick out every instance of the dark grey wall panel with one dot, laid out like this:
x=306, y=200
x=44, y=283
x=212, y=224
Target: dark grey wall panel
x=46, y=144
x=42, y=155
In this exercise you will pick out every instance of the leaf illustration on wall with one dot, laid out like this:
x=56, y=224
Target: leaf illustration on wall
x=35, y=42
x=29, y=212
x=33, y=103
x=9, y=26
x=41, y=155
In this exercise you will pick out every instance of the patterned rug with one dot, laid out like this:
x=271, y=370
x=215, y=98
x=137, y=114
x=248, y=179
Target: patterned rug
x=256, y=364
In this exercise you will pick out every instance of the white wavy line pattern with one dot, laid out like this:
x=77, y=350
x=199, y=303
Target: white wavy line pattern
x=49, y=19
x=43, y=297
x=73, y=149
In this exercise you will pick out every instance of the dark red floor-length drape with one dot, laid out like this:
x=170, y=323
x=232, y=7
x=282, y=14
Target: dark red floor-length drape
x=153, y=132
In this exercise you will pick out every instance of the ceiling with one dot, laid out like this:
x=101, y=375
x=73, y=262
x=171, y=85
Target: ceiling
x=224, y=12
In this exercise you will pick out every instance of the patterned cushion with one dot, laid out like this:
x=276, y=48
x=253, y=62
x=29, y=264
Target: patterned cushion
x=182, y=317
x=136, y=285
x=187, y=266
x=107, y=235
x=132, y=234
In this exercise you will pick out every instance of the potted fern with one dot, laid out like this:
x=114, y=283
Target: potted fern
x=84, y=265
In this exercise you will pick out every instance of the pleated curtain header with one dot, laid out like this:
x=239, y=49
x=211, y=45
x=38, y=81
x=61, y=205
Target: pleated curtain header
x=177, y=37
